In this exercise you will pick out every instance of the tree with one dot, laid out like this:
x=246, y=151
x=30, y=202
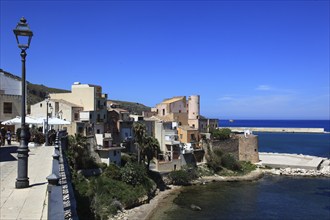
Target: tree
x=139, y=136
x=151, y=149
x=148, y=146
x=78, y=153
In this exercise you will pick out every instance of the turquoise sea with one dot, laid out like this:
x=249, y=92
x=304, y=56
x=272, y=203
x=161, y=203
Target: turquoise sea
x=272, y=197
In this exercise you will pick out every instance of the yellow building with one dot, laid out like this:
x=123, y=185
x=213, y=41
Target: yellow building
x=93, y=102
x=188, y=134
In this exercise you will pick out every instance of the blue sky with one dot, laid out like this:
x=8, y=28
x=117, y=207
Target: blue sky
x=247, y=59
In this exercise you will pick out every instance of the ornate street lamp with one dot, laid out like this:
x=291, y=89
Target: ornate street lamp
x=23, y=36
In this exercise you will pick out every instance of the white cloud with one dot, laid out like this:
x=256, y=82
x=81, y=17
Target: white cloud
x=226, y=98
x=264, y=88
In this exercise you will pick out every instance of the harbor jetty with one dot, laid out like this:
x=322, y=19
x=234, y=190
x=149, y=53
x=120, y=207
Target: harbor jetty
x=295, y=164
x=285, y=130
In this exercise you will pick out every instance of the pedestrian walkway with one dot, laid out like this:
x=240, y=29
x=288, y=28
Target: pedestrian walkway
x=28, y=203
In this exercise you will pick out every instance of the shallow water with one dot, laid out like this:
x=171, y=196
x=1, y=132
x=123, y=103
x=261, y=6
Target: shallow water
x=272, y=197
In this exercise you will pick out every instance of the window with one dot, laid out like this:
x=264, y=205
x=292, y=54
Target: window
x=76, y=116
x=7, y=108
x=40, y=105
x=163, y=111
x=192, y=137
x=180, y=136
x=80, y=130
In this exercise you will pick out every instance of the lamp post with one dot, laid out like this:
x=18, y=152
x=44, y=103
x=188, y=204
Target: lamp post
x=46, y=126
x=23, y=36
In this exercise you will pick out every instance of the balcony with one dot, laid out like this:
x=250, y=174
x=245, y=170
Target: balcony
x=84, y=116
x=172, y=140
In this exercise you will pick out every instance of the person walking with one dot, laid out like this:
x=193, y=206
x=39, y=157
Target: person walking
x=8, y=137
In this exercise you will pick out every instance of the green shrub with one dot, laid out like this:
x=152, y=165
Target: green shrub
x=247, y=167
x=218, y=152
x=221, y=134
x=214, y=163
x=228, y=161
x=180, y=177
x=133, y=174
x=125, y=158
x=113, y=172
x=108, y=193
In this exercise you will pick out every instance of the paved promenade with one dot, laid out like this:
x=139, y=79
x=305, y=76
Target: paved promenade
x=29, y=203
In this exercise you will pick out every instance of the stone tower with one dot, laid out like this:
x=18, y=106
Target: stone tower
x=194, y=110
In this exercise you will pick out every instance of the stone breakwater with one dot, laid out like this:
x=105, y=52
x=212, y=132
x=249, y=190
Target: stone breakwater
x=324, y=171
x=280, y=160
x=281, y=130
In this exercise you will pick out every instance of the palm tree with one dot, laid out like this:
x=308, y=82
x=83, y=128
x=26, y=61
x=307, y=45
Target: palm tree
x=77, y=150
x=139, y=136
x=151, y=149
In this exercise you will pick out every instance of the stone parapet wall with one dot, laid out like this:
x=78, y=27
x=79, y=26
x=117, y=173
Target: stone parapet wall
x=168, y=166
x=228, y=146
x=241, y=147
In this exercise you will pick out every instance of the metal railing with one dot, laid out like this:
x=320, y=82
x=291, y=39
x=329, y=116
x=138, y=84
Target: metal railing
x=61, y=200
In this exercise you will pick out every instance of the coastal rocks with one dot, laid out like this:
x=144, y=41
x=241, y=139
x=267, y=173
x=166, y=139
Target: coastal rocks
x=121, y=215
x=195, y=207
x=252, y=176
x=324, y=172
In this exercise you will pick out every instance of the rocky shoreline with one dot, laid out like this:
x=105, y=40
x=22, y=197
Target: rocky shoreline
x=145, y=211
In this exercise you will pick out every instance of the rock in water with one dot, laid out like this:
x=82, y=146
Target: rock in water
x=195, y=207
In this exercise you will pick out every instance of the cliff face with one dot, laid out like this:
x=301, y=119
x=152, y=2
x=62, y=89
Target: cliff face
x=241, y=147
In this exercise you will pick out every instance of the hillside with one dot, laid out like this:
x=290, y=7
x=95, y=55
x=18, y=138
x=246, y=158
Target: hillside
x=132, y=107
x=37, y=93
